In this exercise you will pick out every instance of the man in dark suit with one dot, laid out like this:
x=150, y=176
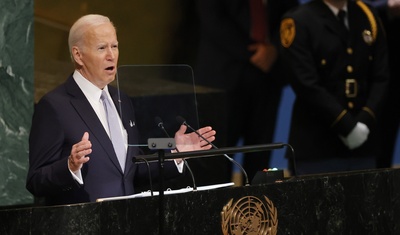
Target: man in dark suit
x=238, y=54
x=72, y=158
x=337, y=55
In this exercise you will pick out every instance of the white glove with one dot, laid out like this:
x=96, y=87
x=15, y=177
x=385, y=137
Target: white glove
x=357, y=136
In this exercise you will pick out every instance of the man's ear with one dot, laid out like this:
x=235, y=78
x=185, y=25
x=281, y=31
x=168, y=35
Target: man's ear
x=76, y=55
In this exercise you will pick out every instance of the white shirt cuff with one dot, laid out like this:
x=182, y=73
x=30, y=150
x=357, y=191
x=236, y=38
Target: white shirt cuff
x=77, y=175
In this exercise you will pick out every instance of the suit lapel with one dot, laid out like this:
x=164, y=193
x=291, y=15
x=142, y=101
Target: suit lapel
x=86, y=112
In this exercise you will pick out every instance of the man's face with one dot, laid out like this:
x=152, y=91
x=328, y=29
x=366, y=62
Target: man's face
x=99, y=55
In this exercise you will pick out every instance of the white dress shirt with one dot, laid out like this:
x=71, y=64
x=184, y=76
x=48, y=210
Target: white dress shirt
x=92, y=94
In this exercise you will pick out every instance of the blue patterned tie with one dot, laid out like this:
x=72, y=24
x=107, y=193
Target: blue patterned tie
x=114, y=129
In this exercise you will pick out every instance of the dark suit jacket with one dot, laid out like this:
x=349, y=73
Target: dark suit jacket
x=322, y=59
x=60, y=119
x=223, y=57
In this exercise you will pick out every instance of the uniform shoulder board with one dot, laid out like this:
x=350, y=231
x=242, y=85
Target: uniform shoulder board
x=369, y=36
x=287, y=32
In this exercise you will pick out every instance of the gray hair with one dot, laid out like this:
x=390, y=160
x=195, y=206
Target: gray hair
x=80, y=26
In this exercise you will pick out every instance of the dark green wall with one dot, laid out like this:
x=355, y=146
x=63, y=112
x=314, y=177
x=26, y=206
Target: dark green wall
x=16, y=98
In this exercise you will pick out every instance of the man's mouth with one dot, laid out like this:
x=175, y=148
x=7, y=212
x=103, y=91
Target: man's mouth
x=111, y=68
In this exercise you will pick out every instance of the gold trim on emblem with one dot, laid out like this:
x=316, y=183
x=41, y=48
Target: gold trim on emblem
x=288, y=32
x=369, y=36
x=249, y=215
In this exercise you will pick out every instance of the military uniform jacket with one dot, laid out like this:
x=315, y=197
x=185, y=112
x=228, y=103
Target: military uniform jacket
x=339, y=77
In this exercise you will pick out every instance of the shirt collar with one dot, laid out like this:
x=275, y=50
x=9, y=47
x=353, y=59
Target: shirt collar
x=91, y=91
x=334, y=9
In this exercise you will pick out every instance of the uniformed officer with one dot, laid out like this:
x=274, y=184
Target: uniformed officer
x=336, y=54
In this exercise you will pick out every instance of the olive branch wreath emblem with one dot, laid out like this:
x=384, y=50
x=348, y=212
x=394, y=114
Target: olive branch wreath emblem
x=249, y=215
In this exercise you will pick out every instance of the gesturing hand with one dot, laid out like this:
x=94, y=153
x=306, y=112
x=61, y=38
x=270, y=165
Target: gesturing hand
x=79, y=153
x=191, y=141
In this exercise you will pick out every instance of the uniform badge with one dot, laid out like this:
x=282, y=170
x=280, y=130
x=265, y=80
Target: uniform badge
x=288, y=32
x=367, y=36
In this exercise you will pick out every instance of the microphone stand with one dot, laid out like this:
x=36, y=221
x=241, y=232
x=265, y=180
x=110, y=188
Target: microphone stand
x=150, y=179
x=161, y=191
x=213, y=152
x=183, y=121
x=160, y=124
x=161, y=144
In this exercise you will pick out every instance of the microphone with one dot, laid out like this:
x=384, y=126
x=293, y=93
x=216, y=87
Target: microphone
x=160, y=124
x=182, y=121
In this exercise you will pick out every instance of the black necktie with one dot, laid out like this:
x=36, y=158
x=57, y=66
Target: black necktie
x=341, y=17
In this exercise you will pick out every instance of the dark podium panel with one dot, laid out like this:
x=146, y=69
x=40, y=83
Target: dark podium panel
x=364, y=202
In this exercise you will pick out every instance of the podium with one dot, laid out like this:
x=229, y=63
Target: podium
x=359, y=202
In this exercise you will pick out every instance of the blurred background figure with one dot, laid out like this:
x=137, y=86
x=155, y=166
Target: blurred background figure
x=389, y=11
x=238, y=55
x=336, y=54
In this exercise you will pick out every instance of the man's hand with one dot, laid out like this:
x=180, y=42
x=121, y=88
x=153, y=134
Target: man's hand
x=79, y=153
x=191, y=141
x=264, y=56
x=357, y=136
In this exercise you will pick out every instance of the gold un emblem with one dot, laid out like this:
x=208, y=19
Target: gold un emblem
x=250, y=216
